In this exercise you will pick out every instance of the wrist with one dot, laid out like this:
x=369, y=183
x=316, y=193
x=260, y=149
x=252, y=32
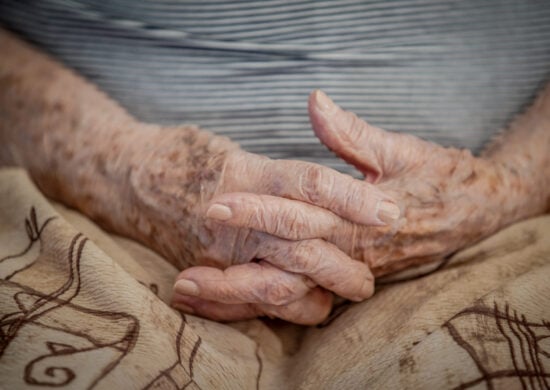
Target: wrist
x=522, y=151
x=523, y=193
x=170, y=174
x=488, y=197
x=177, y=166
x=95, y=179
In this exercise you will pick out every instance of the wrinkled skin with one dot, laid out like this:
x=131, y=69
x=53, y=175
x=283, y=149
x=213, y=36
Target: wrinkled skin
x=289, y=240
x=449, y=199
x=153, y=184
x=170, y=193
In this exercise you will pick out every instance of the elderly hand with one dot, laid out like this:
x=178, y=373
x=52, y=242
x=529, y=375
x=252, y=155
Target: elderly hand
x=449, y=197
x=171, y=193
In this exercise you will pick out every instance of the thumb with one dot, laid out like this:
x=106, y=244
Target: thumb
x=376, y=153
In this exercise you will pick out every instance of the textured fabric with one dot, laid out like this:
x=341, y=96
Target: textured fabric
x=80, y=309
x=454, y=72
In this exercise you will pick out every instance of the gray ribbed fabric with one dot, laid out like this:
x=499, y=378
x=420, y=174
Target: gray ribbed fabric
x=450, y=71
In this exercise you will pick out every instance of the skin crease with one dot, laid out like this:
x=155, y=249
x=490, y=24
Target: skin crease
x=155, y=185
x=450, y=198
x=448, y=204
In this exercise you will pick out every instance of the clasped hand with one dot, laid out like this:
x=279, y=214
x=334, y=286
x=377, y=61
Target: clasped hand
x=282, y=236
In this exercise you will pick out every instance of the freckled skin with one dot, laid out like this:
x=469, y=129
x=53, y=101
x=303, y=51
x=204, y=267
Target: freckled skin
x=139, y=180
x=450, y=198
x=153, y=184
x=444, y=212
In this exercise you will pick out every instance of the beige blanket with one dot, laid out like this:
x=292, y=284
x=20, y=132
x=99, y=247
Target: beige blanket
x=81, y=309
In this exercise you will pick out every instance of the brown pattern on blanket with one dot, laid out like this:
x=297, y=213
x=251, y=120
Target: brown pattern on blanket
x=38, y=309
x=75, y=314
x=72, y=317
x=33, y=233
x=515, y=351
x=73, y=346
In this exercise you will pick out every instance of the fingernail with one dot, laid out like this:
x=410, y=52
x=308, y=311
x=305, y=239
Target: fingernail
x=219, y=211
x=366, y=290
x=323, y=102
x=183, y=307
x=388, y=212
x=187, y=287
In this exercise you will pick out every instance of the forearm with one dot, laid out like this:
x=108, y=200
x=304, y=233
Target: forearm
x=78, y=145
x=47, y=111
x=59, y=127
x=524, y=150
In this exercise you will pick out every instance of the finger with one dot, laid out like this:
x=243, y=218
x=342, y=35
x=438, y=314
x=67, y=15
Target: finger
x=281, y=217
x=311, y=309
x=375, y=152
x=323, y=263
x=243, y=283
x=215, y=310
x=355, y=200
x=352, y=199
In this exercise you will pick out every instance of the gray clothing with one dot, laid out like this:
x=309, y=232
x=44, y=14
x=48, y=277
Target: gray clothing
x=454, y=72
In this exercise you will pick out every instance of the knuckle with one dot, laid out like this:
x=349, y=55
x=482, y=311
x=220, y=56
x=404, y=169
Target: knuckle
x=258, y=216
x=354, y=198
x=279, y=294
x=311, y=182
x=306, y=257
x=285, y=222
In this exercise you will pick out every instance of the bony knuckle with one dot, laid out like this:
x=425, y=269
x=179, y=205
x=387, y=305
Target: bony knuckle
x=259, y=215
x=291, y=224
x=256, y=218
x=311, y=181
x=303, y=257
x=279, y=294
x=354, y=198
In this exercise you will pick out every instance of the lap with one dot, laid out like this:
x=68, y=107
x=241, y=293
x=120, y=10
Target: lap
x=81, y=308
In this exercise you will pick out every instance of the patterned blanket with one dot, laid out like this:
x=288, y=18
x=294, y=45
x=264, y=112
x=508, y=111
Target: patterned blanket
x=82, y=309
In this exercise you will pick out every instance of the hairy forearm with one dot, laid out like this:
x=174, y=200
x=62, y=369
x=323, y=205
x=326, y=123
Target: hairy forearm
x=59, y=127
x=524, y=149
x=79, y=146
x=47, y=111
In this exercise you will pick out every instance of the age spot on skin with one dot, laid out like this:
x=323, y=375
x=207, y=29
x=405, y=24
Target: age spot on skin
x=471, y=179
x=173, y=157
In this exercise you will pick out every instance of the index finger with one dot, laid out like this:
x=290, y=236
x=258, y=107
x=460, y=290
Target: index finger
x=353, y=199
